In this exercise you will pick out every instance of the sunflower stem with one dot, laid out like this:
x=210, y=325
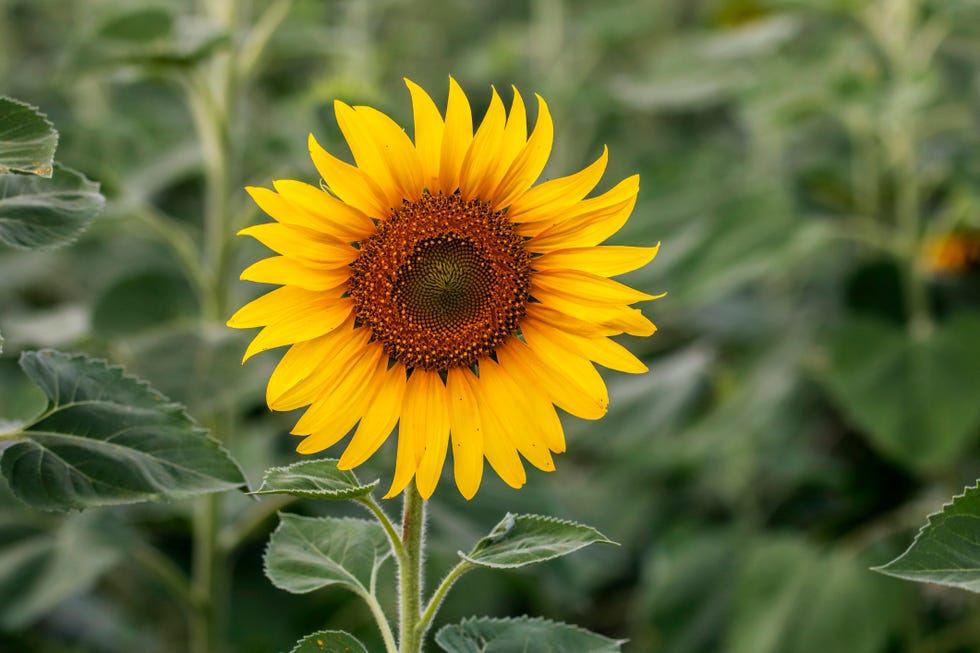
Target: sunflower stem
x=410, y=572
x=440, y=594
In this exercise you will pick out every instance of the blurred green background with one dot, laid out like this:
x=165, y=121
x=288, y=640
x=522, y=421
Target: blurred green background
x=812, y=168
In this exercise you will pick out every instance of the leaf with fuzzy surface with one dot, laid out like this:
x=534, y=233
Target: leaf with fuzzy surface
x=39, y=213
x=314, y=479
x=520, y=540
x=27, y=139
x=521, y=635
x=329, y=641
x=107, y=438
x=947, y=549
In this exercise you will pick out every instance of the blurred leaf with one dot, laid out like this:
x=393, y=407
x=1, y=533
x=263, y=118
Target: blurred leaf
x=947, y=549
x=27, y=140
x=36, y=212
x=107, y=438
x=309, y=553
x=314, y=479
x=520, y=540
x=792, y=598
x=142, y=301
x=329, y=641
x=42, y=564
x=139, y=25
x=915, y=399
x=520, y=635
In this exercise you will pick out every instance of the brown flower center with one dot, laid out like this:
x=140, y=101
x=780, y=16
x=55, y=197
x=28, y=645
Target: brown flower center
x=442, y=282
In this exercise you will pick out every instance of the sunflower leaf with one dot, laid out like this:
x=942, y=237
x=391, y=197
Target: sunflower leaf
x=309, y=553
x=36, y=212
x=329, y=641
x=487, y=635
x=27, y=139
x=314, y=479
x=947, y=549
x=520, y=540
x=107, y=438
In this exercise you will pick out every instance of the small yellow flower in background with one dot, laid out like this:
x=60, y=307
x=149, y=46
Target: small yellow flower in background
x=952, y=253
x=434, y=286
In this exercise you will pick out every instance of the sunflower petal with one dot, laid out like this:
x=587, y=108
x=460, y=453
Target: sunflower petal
x=466, y=430
x=553, y=197
x=432, y=415
x=378, y=422
x=600, y=218
x=314, y=247
x=480, y=170
x=517, y=417
x=587, y=287
x=529, y=162
x=334, y=217
x=497, y=445
x=428, y=134
x=337, y=397
x=456, y=138
x=283, y=270
x=605, y=261
x=600, y=349
x=349, y=184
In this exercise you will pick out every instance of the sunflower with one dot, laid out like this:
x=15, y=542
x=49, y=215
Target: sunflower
x=434, y=286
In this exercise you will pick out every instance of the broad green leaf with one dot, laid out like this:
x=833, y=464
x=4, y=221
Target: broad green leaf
x=36, y=212
x=27, y=139
x=916, y=400
x=947, y=549
x=791, y=597
x=107, y=438
x=521, y=635
x=308, y=553
x=146, y=300
x=314, y=479
x=139, y=25
x=43, y=562
x=520, y=540
x=329, y=641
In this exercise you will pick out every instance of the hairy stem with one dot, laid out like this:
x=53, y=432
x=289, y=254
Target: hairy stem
x=410, y=571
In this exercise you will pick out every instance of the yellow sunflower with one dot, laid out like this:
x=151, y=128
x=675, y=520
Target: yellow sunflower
x=434, y=286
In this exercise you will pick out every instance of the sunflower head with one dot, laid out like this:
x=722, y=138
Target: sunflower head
x=433, y=286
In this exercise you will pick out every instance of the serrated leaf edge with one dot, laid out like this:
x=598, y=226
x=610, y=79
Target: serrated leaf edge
x=526, y=618
x=322, y=633
x=313, y=494
x=542, y=518
x=57, y=136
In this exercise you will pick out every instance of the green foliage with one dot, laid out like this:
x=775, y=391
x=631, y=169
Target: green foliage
x=27, y=139
x=520, y=540
x=519, y=635
x=314, y=479
x=107, y=438
x=329, y=641
x=309, y=553
x=37, y=212
x=915, y=397
x=947, y=549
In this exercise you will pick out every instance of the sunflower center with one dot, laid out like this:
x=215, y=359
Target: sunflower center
x=442, y=282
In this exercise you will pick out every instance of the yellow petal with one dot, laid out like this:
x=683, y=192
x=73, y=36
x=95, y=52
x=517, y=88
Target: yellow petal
x=428, y=418
x=310, y=246
x=428, y=134
x=610, y=317
x=595, y=220
x=586, y=287
x=467, y=431
x=516, y=416
x=572, y=382
x=529, y=162
x=369, y=158
x=566, y=322
x=285, y=271
x=423, y=412
x=378, y=422
x=544, y=417
x=456, y=138
x=334, y=217
x=606, y=261
x=396, y=149
x=300, y=324
x=480, y=171
x=497, y=446
x=349, y=184
x=602, y=350
x=544, y=201
x=515, y=131
x=298, y=364
x=337, y=403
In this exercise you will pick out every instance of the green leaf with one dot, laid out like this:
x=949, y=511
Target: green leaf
x=142, y=301
x=308, y=553
x=329, y=641
x=521, y=635
x=42, y=563
x=314, y=479
x=139, y=25
x=947, y=549
x=520, y=540
x=36, y=212
x=915, y=399
x=107, y=438
x=27, y=139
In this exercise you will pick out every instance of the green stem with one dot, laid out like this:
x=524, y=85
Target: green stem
x=371, y=504
x=410, y=571
x=207, y=584
x=379, y=616
x=430, y=610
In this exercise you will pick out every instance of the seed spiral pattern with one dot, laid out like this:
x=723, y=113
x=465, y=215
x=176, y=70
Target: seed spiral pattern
x=442, y=282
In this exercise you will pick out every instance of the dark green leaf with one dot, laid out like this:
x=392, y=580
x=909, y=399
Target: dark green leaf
x=308, y=553
x=914, y=398
x=329, y=641
x=107, y=438
x=314, y=479
x=520, y=540
x=27, y=139
x=139, y=25
x=947, y=549
x=36, y=212
x=146, y=300
x=521, y=635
